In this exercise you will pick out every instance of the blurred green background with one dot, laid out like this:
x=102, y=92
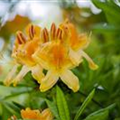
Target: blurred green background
x=102, y=18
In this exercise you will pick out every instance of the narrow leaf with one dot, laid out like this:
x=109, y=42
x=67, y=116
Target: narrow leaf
x=62, y=105
x=101, y=114
x=53, y=109
x=85, y=103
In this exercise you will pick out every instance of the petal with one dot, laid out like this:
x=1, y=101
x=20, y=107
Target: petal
x=47, y=114
x=70, y=80
x=21, y=74
x=49, y=81
x=37, y=73
x=92, y=65
x=30, y=114
x=11, y=74
x=75, y=57
x=41, y=56
x=83, y=41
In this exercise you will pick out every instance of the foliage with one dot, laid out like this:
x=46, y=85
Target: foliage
x=103, y=103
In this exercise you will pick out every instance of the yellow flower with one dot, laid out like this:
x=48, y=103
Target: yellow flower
x=54, y=57
x=57, y=51
x=23, y=49
x=77, y=43
x=36, y=114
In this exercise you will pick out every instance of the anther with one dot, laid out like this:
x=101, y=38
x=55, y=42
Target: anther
x=59, y=33
x=53, y=30
x=20, y=37
x=31, y=31
x=45, y=35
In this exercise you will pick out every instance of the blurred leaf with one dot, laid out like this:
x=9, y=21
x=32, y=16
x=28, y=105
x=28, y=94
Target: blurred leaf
x=85, y=103
x=62, y=105
x=103, y=115
x=53, y=109
x=111, y=11
x=18, y=105
x=17, y=93
x=9, y=109
x=102, y=28
x=100, y=114
x=5, y=113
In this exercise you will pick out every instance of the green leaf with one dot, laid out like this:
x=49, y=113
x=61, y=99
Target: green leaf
x=53, y=109
x=85, y=103
x=101, y=114
x=5, y=112
x=100, y=28
x=111, y=11
x=62, y=105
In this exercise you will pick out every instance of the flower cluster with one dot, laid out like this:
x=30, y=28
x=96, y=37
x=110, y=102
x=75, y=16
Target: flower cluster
x=34, y=115
x=57, y=50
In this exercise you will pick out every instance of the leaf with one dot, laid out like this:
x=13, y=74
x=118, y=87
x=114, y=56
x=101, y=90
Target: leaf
x=101, y=114
x=53, y=109
x=17, y=93
x=101, y=28
x=9, y=109
x=18, y=105
x=62, y=105
x=110, y=10
x=5, y=112
x=85, y=103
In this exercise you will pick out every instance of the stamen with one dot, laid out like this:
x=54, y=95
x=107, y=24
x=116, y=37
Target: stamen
x=45, y=35
x=53, y=30
x=21, y=39
x=31, y=31
x=59, y=33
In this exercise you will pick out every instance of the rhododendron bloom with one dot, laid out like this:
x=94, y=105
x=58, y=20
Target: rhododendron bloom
x=77, y=43
x=57, y=51
x=54, y=57
x=23, y=49
x=35, y=114
x=63, y=52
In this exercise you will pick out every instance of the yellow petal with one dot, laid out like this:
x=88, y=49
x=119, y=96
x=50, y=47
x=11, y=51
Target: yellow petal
x=48, y=81
x=21, y=74
x=83, y=41
x=11, y=74
x=75, y=57
x=30, y=114
x=70, y=80
x=47, y=114
x=37, y=73
x=92, y=65
x=41, y=59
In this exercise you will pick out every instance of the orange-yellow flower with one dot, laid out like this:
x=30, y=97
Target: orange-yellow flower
x=54, y=57
x=63, y=52
x=35, y=114
x=77, y=43
x=23, y=49
x=57, y=51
